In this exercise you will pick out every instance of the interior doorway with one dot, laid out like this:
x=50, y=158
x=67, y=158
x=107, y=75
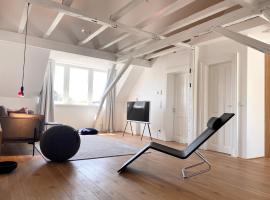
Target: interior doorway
x=221, y=89
x=180, y=108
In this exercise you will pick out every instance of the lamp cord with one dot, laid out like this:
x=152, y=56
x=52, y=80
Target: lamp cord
x=25, y=41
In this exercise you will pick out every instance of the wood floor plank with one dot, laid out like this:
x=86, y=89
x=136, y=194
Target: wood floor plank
x=154, y=176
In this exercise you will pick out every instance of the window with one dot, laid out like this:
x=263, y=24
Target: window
x=76, y=85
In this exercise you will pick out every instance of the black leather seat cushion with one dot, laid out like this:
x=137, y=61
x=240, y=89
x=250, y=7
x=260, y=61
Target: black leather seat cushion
x=214, y=123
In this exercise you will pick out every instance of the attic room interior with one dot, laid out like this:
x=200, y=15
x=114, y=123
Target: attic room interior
x=135, y=99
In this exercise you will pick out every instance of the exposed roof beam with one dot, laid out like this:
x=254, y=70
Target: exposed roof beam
x=24, y=17
x=164, y=12
x=161, y=13
x=125, y=9
x=69, y=48
x=243, y=39
x=164, y=52
x=254, y=5
x=117, y=15
x=266, y=14
x=94, y=34
x=55, y=22
x=239, y=27
x=134, y=45
x=190, y=33
x=118, y=39
x=198, y=16
x=190, y=19
x=57, y=19
x=83, y=16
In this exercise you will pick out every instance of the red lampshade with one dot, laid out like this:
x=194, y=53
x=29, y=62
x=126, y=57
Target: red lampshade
x=21, y=92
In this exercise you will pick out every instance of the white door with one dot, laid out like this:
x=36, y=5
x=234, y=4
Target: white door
x=180, y=109
x=220, y=100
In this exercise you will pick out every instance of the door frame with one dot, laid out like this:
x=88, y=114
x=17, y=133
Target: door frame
x=169, y=115
x=203, y=92
x=267, y=107
x=181, y=139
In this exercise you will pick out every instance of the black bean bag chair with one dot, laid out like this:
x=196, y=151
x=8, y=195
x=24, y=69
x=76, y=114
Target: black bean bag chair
x=60, y=143
x=88, y=131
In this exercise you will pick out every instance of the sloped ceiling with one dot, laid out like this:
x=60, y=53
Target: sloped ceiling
x=69, y=28
x=11, y=59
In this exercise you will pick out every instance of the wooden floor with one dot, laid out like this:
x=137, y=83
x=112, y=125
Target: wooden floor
x=154, y=176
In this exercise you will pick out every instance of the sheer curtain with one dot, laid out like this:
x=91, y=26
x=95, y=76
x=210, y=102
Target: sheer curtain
x=109, y=109
x=46, y=103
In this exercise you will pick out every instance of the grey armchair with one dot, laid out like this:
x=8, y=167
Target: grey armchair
x=21, y=128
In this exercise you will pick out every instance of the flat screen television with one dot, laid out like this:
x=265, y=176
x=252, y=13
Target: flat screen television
x=138, y=111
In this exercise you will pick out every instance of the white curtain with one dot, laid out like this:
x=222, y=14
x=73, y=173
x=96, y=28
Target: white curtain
x=108, y=117
x=46, y=103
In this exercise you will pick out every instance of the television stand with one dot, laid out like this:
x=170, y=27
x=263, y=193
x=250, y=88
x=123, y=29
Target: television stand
x=145, y=124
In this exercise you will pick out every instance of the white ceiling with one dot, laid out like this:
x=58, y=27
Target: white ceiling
x=69, y=29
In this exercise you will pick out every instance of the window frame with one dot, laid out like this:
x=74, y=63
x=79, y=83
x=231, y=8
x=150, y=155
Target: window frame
x=66, y=101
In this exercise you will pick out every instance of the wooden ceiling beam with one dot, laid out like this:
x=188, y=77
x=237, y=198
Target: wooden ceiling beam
x=188, y=20
x=114, y=17
x=190, y=33
x=118, y=39
x=236, y=27
x=125, y=9
x=171, y=8
x=164, y=52
x=243, y=39
x=24, y=17
x=156, y=16
x=83, y=16
x=93, y=35
x=57, y=19
x=263, y=7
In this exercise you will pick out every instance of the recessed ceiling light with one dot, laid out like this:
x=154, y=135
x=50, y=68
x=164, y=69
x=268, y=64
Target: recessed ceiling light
x=85, y=31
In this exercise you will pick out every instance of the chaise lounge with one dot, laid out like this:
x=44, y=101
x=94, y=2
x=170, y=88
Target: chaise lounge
x=213, y=125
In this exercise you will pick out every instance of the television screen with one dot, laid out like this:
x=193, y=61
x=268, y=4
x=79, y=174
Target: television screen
x=138, y=111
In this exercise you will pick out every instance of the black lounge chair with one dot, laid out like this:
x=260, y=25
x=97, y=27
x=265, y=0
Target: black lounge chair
x=213, y=125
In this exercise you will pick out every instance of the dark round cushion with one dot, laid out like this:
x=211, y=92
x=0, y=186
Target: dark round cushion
x=7, y=167
x=214, y=123
x=88, y=131
x=60, y=143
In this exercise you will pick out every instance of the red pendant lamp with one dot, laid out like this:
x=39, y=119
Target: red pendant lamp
x=21, y=90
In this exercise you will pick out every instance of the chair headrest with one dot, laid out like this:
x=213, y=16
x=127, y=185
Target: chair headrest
x=214, y=122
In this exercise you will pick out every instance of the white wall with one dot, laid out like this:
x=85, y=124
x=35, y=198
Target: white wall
x=18, y=102
x=75, y=116
x=255, y=104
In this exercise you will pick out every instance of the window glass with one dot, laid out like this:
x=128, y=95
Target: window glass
x=59, y=75
x=99, y=84
x=78, y=85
